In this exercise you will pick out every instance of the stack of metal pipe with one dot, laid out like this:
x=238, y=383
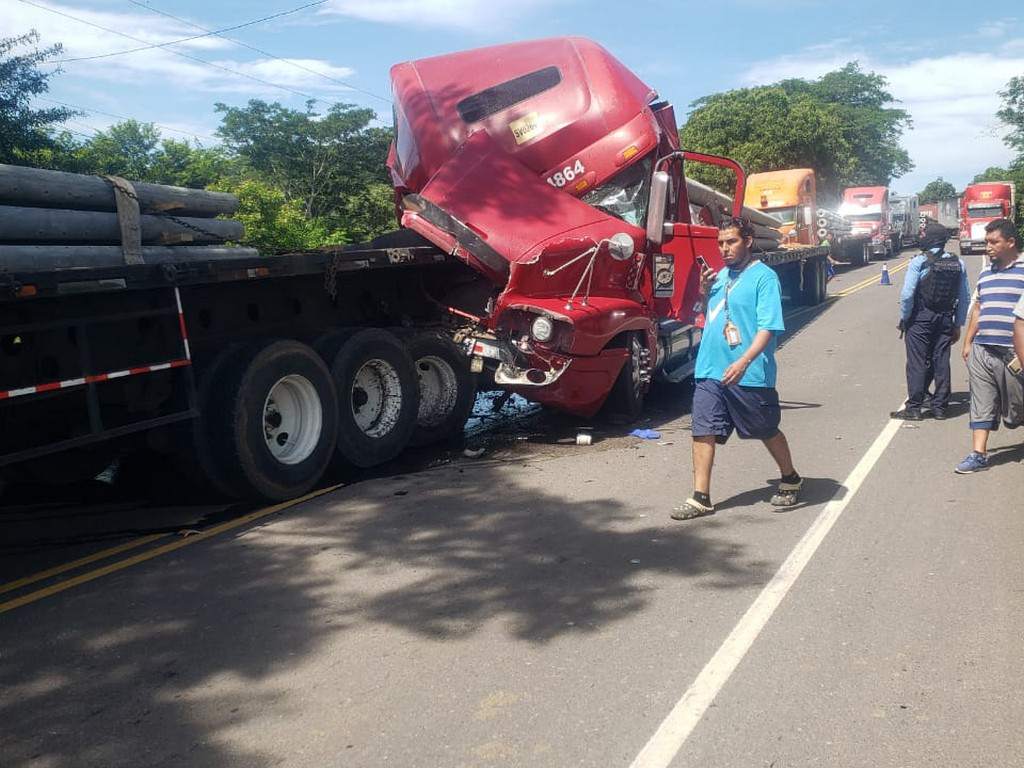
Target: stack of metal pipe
x=766, y=235
x=48, y=216
x=830, y=222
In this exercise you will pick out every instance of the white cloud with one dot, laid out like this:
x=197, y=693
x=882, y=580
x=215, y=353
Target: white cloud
x=161, y=66
x=952, y=100
x=80, y=39
x=475, y=15
x=993, y=30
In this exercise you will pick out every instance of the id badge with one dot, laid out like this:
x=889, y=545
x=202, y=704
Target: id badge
x=732, y=335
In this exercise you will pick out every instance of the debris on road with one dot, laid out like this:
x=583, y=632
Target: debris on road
x=646, y=434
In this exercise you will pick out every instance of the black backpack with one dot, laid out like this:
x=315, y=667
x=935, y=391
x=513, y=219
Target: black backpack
x=939, y=289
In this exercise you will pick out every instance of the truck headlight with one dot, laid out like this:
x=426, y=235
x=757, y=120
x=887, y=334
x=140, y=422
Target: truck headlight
x=542, y=329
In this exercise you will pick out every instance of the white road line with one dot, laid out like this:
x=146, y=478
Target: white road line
x=666, y=742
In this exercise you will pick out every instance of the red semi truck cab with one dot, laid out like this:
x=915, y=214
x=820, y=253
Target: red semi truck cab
x=867, y=209
x=980, y=204
x=533, y=163
x=556, y=174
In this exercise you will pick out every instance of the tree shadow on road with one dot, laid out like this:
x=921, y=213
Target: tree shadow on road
x=185, y=659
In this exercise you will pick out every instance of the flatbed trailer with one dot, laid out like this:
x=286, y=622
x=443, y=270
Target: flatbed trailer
x=101, y=357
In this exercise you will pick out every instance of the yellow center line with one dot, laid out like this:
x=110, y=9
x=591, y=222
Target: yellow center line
x=101, y=555
x=870, y=281
x=142, y=557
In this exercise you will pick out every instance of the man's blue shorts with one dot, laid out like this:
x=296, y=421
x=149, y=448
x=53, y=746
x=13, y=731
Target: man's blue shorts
x=752, y=411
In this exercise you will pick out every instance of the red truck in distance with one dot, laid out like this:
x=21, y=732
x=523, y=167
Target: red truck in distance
x=867, y=209
x=980, y=204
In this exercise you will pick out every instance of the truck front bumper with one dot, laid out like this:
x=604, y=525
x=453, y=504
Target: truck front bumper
x=510, y=371
x=577, y=385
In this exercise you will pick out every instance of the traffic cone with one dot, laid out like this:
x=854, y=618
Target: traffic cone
x=885, y=276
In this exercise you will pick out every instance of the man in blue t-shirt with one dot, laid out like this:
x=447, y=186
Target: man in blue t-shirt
x=735, y=373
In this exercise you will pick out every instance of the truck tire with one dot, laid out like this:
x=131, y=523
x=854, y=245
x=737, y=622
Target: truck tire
x=268, y=421
x=328, y=344
x=447, y=388
x=378, y=397
x=815, y=283
x=630, y=388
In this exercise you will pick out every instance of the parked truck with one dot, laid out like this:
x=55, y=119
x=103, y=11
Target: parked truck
x=791, y=197
x=980, y=204
x=906, y=219
x=870, y=215
x=946, y=212
x=548, y=240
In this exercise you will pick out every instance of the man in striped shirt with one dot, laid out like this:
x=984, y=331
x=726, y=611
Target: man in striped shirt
x=996, y=393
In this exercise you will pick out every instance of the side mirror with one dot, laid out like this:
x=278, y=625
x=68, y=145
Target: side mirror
x=656, y=207
x=620, y=246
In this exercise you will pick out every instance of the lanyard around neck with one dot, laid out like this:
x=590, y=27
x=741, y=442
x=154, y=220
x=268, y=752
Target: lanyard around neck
x=728, y=289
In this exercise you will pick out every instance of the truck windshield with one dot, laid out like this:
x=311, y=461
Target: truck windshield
x=985, y=211
x=782, y=215
x=625, y=194
x=864, y=217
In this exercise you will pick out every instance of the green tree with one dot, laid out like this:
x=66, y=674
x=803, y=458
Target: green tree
x=367, y=214
x=317, y=159
x=183, y=165
x=1012, y=114
x=933, y=191
x=137, y=152
x=842, y=125
x=272, y=222
x=25, y=132
x=125, y=149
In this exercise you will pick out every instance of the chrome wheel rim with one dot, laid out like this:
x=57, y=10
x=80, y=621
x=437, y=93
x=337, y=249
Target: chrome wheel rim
x=293, y=419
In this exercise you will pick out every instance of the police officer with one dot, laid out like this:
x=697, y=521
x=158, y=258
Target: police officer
x=933, y=308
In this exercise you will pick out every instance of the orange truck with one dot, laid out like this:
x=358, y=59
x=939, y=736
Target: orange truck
x=791, y=198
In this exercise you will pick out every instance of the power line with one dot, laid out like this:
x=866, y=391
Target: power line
x=262, y=52
x=91, y=110
x=83, y=125
x=207, y=33
x=170, y=50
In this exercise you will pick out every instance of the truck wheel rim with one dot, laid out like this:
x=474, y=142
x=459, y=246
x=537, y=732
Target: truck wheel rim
x=636, y=355
x=438, y=390
x=293, y=419
x=376, y=398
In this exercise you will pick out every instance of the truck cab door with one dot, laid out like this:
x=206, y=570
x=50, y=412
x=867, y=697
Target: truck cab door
x=680, y=234
x=676, y=275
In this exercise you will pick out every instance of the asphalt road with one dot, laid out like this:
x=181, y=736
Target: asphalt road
x=537, y=607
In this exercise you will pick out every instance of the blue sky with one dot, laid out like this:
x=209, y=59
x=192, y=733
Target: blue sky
x=945, y=63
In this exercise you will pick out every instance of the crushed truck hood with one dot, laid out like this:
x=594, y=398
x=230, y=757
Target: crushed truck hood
x=488, y=209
